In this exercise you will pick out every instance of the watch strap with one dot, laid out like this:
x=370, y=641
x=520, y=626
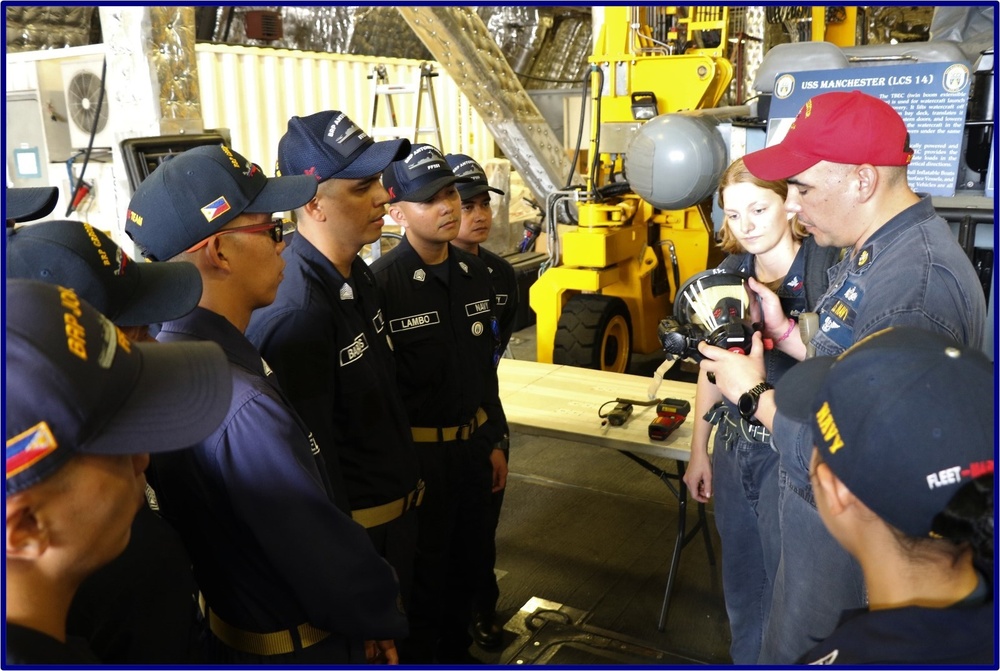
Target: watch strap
x=753, y=394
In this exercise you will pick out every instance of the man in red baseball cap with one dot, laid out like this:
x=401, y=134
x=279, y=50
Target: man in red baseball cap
x=870, y=131
x=845, y=158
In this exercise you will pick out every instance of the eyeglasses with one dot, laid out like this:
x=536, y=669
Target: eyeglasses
x=277, y=228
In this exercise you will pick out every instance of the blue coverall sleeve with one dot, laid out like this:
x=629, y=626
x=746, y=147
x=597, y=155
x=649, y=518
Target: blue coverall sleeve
x=297, y=345
x=327, y=559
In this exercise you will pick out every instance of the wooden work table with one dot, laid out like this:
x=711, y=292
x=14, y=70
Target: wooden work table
x=546, y=399
x=561, y=401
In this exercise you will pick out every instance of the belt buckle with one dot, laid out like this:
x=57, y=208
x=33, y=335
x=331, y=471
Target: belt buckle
x=758, y=431
x=413, y=499
x=464, y=432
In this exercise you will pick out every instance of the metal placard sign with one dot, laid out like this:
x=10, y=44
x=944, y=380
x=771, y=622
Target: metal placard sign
x=931, y=98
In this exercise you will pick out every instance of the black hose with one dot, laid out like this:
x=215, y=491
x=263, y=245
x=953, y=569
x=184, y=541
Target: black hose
x=596, y=159
x=614, y=190
x=579, y=132
x=90, y=144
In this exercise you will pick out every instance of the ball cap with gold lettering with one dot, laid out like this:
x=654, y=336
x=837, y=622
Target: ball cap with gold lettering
x=904, y=418
x=847, y=127
x=195, y=193
x=76, y=385
x=76, y=255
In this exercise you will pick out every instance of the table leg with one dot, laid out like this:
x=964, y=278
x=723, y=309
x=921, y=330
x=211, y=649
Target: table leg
x=683, y=535
x=678, y=546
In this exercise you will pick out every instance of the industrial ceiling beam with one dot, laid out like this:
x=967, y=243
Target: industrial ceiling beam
x=461, y=44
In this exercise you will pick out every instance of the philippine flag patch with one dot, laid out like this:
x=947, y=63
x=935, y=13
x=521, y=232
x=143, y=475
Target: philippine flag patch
x=28, y=448
x=216, y=208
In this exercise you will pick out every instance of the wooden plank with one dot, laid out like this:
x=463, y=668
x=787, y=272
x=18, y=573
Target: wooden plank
x=563, y=402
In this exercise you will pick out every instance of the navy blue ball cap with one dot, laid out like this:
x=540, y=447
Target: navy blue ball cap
x=329, y=145
x=73, y=254
x=194, y=194
x=466, y=166
x=904, y=418
x=76, y=385
x=29, y=203
x=418, y=176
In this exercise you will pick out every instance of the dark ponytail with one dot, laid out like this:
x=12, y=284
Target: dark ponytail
x=968, y=518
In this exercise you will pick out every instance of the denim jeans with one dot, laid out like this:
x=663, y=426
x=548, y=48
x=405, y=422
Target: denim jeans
x=816, y=578
x=745, y=483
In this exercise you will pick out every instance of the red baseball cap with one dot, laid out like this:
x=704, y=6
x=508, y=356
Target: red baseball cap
x=839, y=127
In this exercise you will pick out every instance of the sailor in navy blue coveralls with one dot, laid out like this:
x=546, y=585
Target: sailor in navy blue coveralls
x=477, y=223
x=285, y=575
x=440, y=314
x=326, y=337
x=271, y=551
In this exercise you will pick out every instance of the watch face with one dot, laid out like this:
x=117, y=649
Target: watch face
x=746, y=405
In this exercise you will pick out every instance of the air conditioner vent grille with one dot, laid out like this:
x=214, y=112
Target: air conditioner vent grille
x=82, y=95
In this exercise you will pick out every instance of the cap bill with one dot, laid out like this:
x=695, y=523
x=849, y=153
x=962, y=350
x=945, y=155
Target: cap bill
x=795, y=393
x=30, y=203
x=467, y=191
x=180, y=396
x=164, y=291
x=427, y=191
x=375, y=159
x=778, y=162
x=282, y=194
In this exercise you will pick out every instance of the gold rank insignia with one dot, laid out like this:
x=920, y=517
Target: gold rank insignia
x=863, y=257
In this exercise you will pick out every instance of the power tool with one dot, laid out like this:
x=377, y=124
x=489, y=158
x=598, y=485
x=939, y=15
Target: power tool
x=670, y=413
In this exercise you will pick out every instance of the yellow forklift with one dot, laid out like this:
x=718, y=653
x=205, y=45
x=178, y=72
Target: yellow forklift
x=611, y=277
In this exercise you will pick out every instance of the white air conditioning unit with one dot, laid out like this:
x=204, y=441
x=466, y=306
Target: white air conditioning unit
x=82, y=88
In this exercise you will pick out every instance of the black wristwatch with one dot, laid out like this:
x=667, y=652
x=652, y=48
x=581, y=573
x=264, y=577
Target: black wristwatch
x=748, y=402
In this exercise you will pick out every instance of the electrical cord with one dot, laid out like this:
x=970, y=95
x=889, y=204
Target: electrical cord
x=600, y=411
x=622, y=410
x=652, y=401
x=603, y=415
x=90, y=143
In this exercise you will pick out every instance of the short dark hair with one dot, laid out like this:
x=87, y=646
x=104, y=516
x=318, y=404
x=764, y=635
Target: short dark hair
x=968, y=518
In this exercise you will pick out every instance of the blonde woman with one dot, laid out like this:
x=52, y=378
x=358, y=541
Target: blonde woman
x=765, y=242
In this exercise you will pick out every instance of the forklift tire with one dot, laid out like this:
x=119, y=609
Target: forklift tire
x=595, y=332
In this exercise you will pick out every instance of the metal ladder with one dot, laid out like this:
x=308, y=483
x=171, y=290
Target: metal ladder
x=421, y=88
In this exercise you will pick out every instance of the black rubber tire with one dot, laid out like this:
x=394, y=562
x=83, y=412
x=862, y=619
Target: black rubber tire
x=595, y=332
